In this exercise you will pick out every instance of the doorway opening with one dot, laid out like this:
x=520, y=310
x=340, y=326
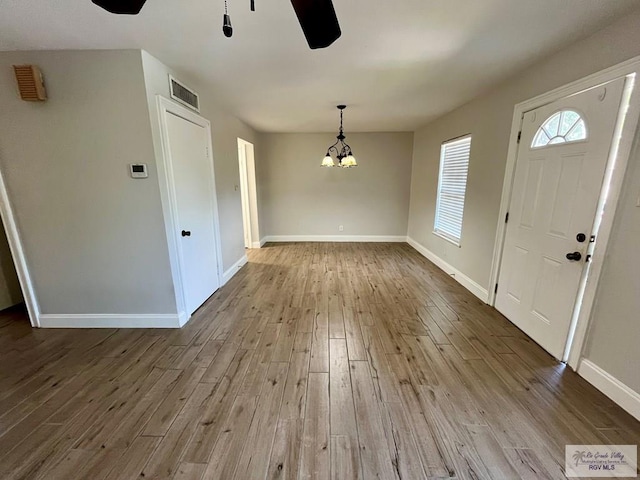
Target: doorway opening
x=11, y=299
x=14, y=263
x=248, y=194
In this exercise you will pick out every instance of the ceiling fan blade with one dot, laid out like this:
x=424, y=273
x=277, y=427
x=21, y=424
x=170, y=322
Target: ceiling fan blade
x=127, y=7
x=318, y=21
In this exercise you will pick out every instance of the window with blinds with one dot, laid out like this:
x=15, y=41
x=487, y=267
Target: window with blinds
x=452, y=183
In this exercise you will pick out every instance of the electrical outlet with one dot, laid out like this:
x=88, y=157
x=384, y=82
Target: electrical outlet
x=341, y=228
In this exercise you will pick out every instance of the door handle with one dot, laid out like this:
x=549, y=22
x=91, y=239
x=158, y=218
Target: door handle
x=574, y=256
x=186, y=233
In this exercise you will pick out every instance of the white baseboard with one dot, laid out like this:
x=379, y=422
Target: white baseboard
x=228, y=275
x=336, y=238
x=475, y=288
x=611, y=387
x=257, y=244
x=113, y=320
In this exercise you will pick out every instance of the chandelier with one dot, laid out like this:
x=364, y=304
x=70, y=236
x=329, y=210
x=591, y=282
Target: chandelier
x=341, y=149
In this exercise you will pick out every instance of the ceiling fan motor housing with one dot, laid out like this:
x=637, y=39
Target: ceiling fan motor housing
x=121, y=7
x=318, y=21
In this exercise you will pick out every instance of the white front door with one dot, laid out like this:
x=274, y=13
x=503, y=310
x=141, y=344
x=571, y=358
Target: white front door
x=562, y=158
x=194, y=190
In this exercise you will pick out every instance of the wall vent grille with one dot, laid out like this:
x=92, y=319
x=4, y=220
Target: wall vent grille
x=184, y=95
x=30, y=83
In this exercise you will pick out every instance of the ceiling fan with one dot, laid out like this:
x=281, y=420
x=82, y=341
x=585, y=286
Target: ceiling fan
x=317, y=18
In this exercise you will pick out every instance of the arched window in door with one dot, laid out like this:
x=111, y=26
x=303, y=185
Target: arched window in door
x=565, y=126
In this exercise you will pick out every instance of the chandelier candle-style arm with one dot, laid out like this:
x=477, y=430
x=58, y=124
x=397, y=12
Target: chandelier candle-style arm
x=341, y=149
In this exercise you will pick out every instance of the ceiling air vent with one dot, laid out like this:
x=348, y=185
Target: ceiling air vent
x=183, y=94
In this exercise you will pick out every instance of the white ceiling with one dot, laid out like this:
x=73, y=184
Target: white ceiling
x=398, y=64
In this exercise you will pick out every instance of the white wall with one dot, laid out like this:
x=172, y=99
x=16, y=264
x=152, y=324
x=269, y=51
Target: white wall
x=614, y=336
x=10, y=293
x=488, y=119
x=93, y=237
x=225, y=130
x=615, y=326
x=301, y=198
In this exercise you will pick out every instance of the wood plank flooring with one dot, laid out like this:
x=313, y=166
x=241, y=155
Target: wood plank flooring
x=316, y=361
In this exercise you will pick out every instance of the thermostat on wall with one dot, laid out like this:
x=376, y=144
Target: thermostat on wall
x=138, y=170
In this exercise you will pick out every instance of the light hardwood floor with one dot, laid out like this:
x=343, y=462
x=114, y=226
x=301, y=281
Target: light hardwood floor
x=315, y=361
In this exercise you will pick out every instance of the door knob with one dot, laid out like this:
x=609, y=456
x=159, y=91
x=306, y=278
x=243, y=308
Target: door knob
x=186, y=233
x=574, y=256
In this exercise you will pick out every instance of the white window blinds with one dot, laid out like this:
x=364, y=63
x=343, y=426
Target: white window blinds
x=452, y=183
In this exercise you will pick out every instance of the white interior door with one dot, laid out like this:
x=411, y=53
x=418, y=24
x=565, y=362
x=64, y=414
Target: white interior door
x=557, y=185
x=194, y=192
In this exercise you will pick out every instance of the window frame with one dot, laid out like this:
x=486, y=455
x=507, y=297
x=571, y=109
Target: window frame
x=436, y=224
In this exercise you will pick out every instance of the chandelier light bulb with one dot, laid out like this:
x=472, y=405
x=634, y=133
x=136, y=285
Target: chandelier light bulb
x=349, y=161
x=328, y=161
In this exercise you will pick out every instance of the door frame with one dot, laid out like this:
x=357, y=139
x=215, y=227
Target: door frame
x=618, y=158
x=170, y=204
x=18, y=255
x=249, y=196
